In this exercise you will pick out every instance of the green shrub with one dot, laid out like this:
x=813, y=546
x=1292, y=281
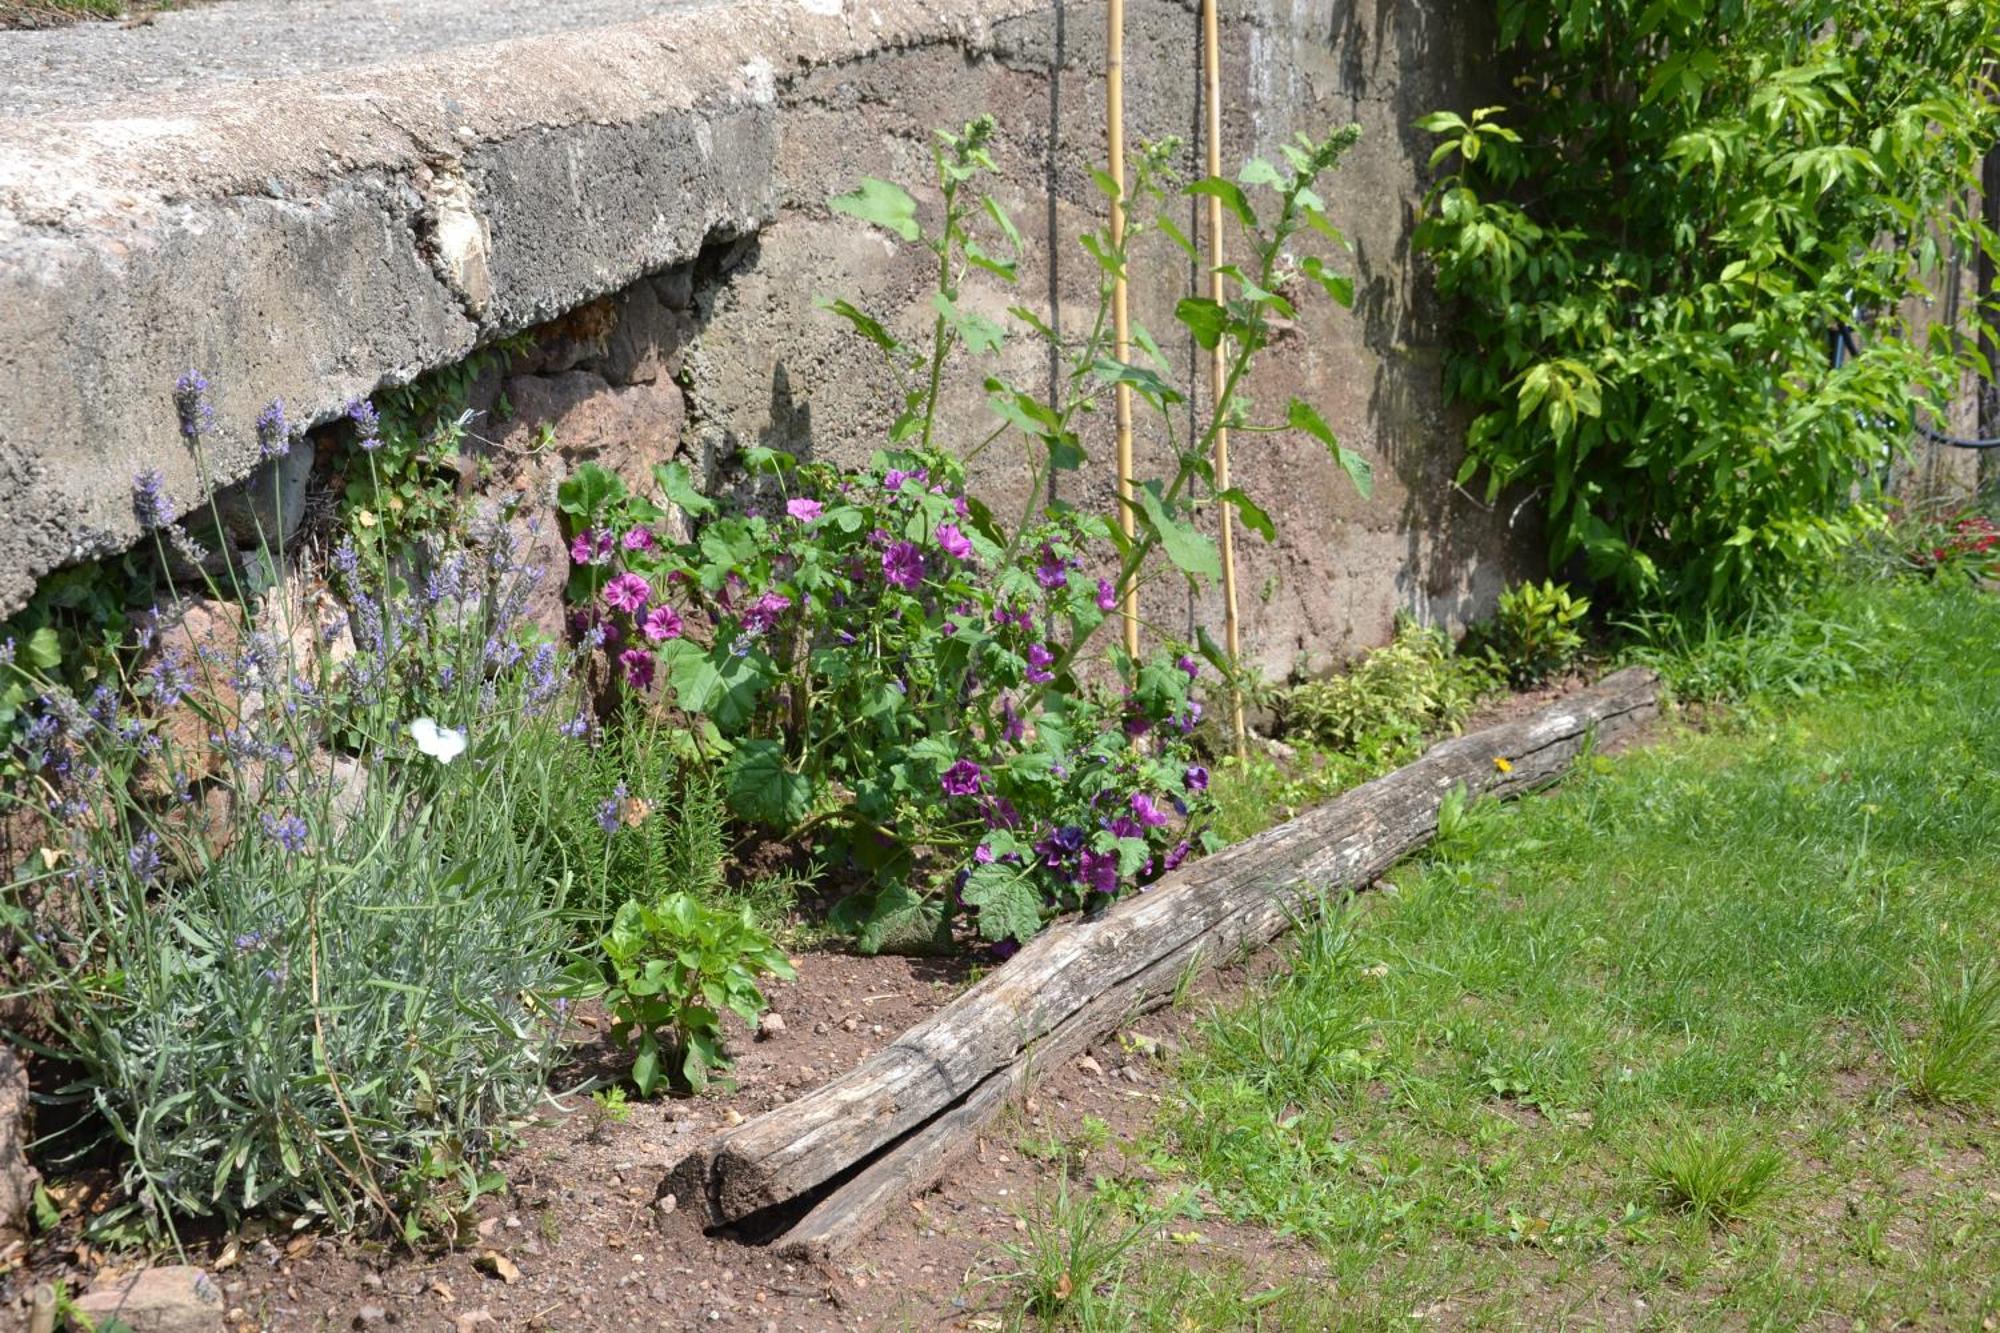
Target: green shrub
x=1954, y=1056
x=1534, y=631
x=1713, y=1175
x=1394, y=697
x=670, y=967
x=1652, y=248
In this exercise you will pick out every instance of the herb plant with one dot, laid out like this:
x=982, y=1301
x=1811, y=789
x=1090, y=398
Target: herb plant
x=1534, y=632
x=670, y=967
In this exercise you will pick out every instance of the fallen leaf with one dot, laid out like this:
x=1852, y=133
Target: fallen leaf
x=499, y=1265
x=442, y=1292
x=232, y=1255
x=1064, y=1287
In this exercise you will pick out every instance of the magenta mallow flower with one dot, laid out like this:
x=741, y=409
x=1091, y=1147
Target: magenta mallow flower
x=762, y=614
x=1107, y=596
x=903, y=566
x=1051, y=573
x=983, y=854
x=1099, y=871
x=581, y=548
x=805, y=511
x=893, y=479
x=628, y=593
x=1196, y=778
x=1187, y=664
x=961, y=779
x=662, y=623
x=638, y=539
x=955, y=543
x=638, y=664
x=1149, y=814
x=1039, y=659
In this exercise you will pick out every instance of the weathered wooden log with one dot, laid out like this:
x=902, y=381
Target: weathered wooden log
x=816, y=1174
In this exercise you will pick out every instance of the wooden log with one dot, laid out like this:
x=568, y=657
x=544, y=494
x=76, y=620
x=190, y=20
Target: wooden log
x=817, y=1173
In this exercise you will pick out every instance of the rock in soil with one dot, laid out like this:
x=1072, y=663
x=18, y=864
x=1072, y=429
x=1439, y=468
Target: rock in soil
x=175, y=1299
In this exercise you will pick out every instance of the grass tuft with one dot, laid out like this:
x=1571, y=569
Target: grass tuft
x=1713, y=1176
x=1955, y=1057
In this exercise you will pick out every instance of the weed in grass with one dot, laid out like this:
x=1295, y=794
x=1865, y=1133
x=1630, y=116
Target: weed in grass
x=1075, y=1254
x=1713, y=1176
x=1954, y=1056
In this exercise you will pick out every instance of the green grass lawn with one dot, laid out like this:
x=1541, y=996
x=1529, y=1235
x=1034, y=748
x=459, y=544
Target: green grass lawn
x=1709, y=1037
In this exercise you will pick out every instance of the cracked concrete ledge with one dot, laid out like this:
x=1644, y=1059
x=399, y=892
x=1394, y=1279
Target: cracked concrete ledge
x=313, y=236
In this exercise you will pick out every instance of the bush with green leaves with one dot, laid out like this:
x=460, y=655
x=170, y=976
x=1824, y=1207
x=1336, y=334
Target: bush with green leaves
x=1394, y=698
x=891, y=666
x=1534, y=633
x=671, y=965
x=1653, y=247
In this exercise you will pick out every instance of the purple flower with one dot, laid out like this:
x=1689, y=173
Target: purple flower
x=367, y=425
x=805, y=511
x=577, y=727
x=287, y=830
x=1187, y=664
x=1186, y=721
x=955, y=543
x=982, y=855
x=1196, y=778
x=961, y=508
x=638, y=539
x=581, y=548
x=1039, y=658
x=1125, y=827
x=149, y=499
x=1099, y=872
x=638, y=664
x=191, y=404
x=274, y=432
x=1011, y=726
x=143, y=857
x=662, y=623
x=607, y=813
x=1177, y=855
x=903, y=566
x=1051, y=573
x=893, y=479
x=1000, y=813
x=628, y=593
x=1149, y=814
x=761, y=615
x=1107, y=596
x=961, y=779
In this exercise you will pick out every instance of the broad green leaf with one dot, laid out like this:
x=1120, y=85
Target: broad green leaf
x=1254, y=517
x=1230, y=194
x=678, y=486
x=866, y=324
x=1300, y=416
x=761, y=789
x=1009, y=905
x=1191, y=551
x=887, y=206
x=980, y=334
x=1205, y=319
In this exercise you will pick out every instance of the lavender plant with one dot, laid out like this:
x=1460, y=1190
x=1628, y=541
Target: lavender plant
x=888, y=666
x=290, y=929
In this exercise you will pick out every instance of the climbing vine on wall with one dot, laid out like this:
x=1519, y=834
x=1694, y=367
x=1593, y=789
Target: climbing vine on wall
x=1653, y=243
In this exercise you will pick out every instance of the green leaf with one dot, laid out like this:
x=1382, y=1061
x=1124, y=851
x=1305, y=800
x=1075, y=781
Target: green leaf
x=1192, y=552
x=1300, y=416
x=864, y=323
x=762, y=790
x=1337, y=286
x=980, y=334
x=1205, y=319
x=44, y=648
x=678, y=486
x=892, y=919
x=1230, y=194
x=1009, y=905
x=1254, y=517
x=1151, y=386
x=586, y=492
x=887, y=206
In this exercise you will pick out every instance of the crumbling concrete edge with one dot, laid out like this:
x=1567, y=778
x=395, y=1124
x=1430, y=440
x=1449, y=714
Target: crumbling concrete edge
x=312, y=239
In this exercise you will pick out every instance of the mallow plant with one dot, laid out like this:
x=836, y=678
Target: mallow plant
x=886, y=664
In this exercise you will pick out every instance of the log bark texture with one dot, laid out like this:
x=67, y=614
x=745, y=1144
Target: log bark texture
x=819, y=1172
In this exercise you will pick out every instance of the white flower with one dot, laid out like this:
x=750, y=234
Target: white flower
x=443, y=744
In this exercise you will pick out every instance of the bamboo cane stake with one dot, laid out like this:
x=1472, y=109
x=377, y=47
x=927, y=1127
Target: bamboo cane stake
x=1121, y=324
x=1211, y=45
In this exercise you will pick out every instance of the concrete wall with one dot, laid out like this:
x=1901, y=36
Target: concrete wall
x=316, y=235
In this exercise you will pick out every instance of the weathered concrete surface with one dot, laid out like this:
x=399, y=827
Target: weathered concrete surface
x=308, y=200
x=314, y=235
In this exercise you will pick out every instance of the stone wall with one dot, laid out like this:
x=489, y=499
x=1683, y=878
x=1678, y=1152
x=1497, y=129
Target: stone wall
x=653, y=205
